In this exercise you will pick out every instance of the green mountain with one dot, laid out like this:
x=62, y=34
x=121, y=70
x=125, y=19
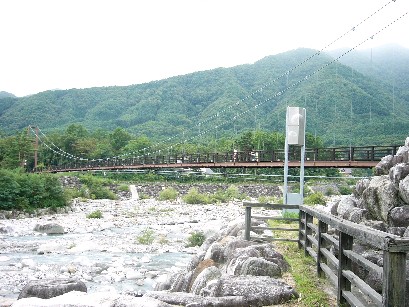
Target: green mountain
x=4, y=94
x=345, y=103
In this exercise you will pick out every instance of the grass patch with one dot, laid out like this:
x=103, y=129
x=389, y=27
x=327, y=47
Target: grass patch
x=147, y=237
x=315, y=199
x=194, y=197
x=196, y=238
x=95, y=215
x=168, y=194
x=302, y=272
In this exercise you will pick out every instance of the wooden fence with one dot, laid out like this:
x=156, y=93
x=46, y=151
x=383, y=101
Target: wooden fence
x=335, y=257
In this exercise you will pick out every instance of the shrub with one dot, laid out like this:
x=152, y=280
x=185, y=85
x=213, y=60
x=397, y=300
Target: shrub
x=147, y=237
x=96, y=187
x=345, y=190
x=194, y=197
x=123, y=188
x=232, y=192
x=330, y=191
x=22, y=191
x=196, y=238
x=315, y=199
x=143, y=195
x=95, y=215
x=168, y=194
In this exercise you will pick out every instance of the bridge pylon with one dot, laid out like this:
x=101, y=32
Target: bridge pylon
x=295, y=136
x=35, y=130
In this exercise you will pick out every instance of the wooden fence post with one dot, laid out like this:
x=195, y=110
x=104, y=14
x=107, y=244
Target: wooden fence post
x=394, y=279
x=322, y=228
x=307, y=232
x=301, y=220
x=344, y=263
x=247, y=221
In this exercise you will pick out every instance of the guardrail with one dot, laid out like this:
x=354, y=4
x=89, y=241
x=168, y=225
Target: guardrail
x=317, y=242
x=230, y=159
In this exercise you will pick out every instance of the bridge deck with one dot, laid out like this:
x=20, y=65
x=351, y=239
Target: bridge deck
x=339, y=157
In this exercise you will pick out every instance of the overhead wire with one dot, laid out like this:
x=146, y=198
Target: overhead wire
x=151, y=149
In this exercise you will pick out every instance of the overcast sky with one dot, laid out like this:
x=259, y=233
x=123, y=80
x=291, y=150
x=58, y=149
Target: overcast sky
x=62, y=44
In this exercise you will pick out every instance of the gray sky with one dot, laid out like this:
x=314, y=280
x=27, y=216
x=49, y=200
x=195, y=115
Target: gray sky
x=62, y=44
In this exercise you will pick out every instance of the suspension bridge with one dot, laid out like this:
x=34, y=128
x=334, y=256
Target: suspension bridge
x=154, y=157
x=339, y=157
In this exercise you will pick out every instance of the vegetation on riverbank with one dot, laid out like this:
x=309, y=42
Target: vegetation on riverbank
x=302, y=274
x=27, y=192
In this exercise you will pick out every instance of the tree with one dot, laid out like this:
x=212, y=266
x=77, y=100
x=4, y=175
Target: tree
x=119, y=139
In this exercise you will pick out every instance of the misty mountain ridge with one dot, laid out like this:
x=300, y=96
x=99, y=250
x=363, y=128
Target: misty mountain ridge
x=349, y=101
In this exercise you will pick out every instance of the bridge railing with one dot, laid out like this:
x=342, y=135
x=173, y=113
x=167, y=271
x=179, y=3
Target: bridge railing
x=362, y=153
x=330, y=241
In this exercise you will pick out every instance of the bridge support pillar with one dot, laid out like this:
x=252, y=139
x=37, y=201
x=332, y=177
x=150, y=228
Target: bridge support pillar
x=294, y=136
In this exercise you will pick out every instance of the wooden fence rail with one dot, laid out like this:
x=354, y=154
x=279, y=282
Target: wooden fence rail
x=329, y=240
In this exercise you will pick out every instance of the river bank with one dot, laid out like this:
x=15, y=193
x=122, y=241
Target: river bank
x=105, y=253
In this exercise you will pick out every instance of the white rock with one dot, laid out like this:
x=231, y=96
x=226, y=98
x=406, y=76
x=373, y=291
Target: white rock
x=87, y=277
x=4, y=258
x=27, y=262
x=83, y=260
x=114, y=249
x=132, y=274
x=145, y=259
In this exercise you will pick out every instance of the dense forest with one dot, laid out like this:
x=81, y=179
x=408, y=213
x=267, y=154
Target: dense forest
x=348, y=101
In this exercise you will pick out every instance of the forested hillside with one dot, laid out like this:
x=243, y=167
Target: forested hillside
x=345, y=104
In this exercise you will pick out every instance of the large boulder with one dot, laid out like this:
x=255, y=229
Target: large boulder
x=379, y=198
x=259, y=267
x=399, y=216
x=382, y=168
x=228, y=271
x=404, y=190
x=235, y=291
x=5, y=229
x=96, y=299
x=398, y=172
x=258, y=290
x=206, y=276
x=193, y=300
x=47, y=288
x=346, y=203
x=360, y=187
x=50, y=229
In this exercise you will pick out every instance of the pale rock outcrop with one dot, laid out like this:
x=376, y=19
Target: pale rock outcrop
x=360, y=187
x=346, y=203
x=46, y=289
x=49, y=229
x=382, y=168
x=205, y=277
x=235, y=291
x=97, y=299
x=399, y=216
x=398, y=172
x=404, y=189
x=379, y=197
x=231, y=272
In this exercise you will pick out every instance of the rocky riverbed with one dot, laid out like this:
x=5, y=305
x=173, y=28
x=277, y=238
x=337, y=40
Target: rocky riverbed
x=106, y=253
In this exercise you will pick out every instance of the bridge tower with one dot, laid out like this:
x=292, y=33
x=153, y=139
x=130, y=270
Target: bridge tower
x=35, y=130
x=294, y=136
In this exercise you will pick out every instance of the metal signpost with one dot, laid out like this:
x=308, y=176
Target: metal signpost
x=294, y=136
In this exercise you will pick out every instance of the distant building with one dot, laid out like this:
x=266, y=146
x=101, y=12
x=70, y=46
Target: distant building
x=347, y=172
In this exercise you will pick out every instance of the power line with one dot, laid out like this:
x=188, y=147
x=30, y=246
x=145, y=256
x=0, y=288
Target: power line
x=202, y=131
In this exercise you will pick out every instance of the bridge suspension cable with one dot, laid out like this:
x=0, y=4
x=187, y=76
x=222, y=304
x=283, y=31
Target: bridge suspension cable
x=306, y=77
x=153, y=149
x=219, y=113
x=286, y=73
